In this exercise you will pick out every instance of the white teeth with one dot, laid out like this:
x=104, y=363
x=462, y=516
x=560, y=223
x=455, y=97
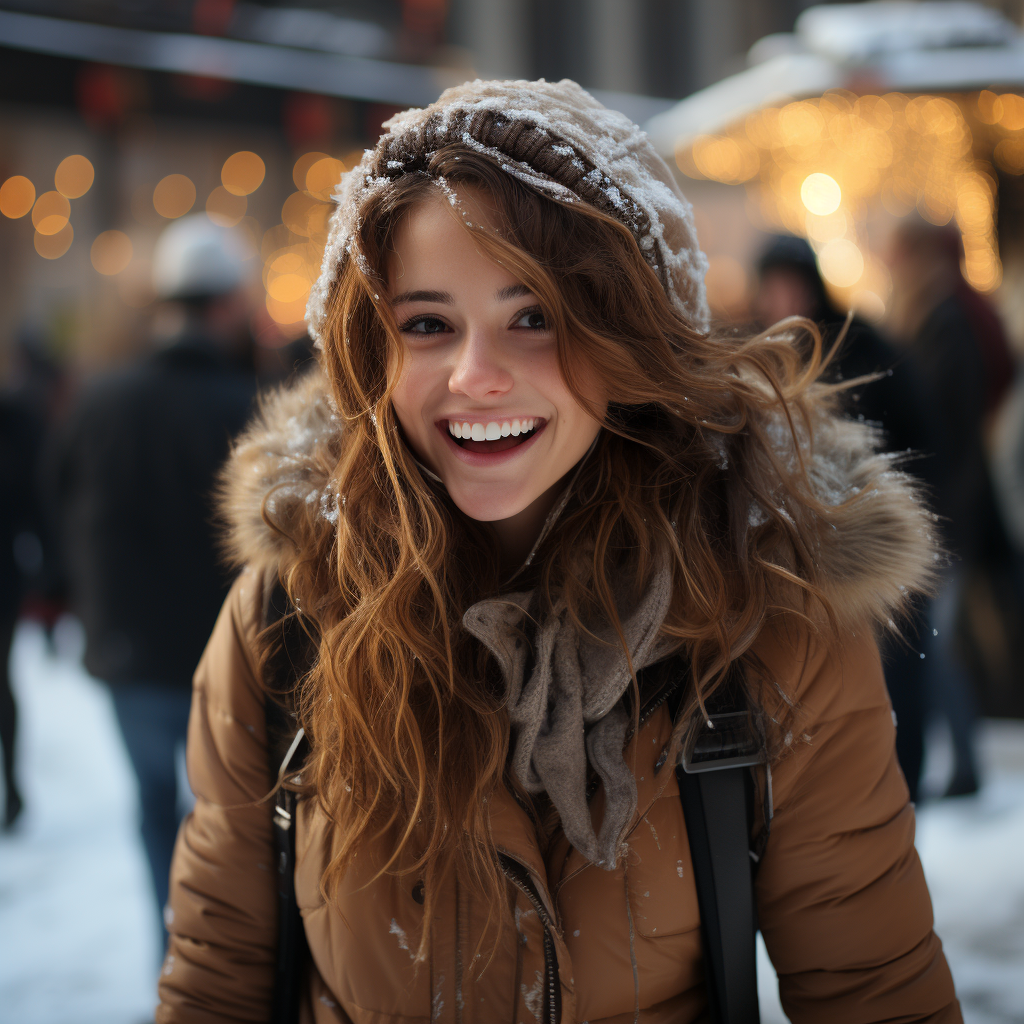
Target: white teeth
x=492, y=430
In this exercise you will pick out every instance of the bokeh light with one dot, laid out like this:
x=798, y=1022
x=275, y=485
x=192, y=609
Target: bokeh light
x=17, y=194
x=288, y=278
x=302, y=166
x=51, y=213
x=1011, y=113
x=821, y=194
x=225, y=208
x=1009, y=155
x=841, y=262
x=52, y=247
x=989, y=107
x=111, y=252
x=823, y=228
x=323, y=177
x=243, y=173
x=721, y=158
x=824, y=162
x=174, y=196
x=295, y=213
x=74, y=176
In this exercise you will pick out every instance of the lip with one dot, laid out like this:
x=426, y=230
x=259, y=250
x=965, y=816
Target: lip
x=483, y=460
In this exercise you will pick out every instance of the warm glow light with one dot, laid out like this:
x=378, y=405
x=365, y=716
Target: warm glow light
x=74, y=176
x=288, y=287
x=243, y=173
x=51, y=212
x=1009, y=155
x=931, y=152
x=52, y=247
x=288, y=281
x=295, y=212
x=990, y=107
x=17, y=195
x=225, y=208
x=302, y=166
x=174, y=196
x=821, y=194
x=111, y=252
x=833, y=225
x=286, y=312
x=323, y=177
x=869, y=305
x=725, y=159
x=841, y=262
x=1012, y=115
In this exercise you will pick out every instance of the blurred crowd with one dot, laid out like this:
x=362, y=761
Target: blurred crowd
x=110, y=514
x=109, y=509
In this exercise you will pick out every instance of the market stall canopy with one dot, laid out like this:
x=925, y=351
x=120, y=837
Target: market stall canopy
x=878, y=46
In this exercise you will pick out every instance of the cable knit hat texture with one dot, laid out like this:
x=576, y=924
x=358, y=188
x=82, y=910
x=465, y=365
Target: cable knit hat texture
x=557, y=139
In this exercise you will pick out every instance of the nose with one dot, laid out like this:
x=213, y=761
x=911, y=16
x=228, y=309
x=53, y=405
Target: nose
x=480, y=371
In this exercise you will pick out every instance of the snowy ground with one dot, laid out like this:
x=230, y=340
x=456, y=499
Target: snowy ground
x=78, y=932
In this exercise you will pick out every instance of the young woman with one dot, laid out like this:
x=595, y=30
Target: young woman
x=531, y=504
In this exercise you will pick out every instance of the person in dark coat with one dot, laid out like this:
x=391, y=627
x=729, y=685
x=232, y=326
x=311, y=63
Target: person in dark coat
x=19, y=547
x=956, y=339
x=789, y=284
x=135, y=476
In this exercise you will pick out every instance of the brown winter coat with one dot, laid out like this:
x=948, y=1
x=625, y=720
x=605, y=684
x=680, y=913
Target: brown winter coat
x=843, y=905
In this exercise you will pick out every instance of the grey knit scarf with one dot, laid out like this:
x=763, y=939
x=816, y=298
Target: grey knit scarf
x=569, y=713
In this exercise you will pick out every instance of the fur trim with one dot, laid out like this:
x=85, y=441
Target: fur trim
x=873, y=549
x=279, y=464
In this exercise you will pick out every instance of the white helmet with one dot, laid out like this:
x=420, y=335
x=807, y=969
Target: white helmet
x=195, y=258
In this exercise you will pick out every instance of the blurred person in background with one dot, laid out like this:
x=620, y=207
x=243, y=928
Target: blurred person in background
x=957, y=341
x=1008, y=466
x=134, y=476
x=29, y=580
x=789, y=284
x=18, y=445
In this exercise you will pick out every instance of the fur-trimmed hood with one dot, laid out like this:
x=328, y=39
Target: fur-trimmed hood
x=871, y=553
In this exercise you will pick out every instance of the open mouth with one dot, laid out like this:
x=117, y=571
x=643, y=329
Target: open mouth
x=494, y=436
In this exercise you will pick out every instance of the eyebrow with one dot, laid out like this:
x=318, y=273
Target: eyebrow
x=512, y=291
x=445, y=298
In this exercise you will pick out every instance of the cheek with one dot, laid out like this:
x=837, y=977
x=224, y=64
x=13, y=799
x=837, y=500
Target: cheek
x=404, y=394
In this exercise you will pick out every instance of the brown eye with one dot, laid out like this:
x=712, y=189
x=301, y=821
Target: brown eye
x=533, y=320
x=426, y=325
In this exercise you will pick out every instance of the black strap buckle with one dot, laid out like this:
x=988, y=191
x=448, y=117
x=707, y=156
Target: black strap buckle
x=728, y=740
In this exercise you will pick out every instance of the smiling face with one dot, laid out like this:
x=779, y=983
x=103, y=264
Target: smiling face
x=480, y=397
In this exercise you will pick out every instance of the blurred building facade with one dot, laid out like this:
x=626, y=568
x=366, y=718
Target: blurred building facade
x=159, y=95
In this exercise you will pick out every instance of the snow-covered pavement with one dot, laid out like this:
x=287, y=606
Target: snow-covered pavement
x=78, y=932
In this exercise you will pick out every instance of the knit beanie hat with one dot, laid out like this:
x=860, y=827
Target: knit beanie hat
x=555, y=138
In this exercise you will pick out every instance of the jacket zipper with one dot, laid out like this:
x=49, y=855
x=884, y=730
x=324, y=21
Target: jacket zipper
x=517, y=874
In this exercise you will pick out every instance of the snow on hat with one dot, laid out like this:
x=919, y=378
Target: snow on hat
x=557, y=139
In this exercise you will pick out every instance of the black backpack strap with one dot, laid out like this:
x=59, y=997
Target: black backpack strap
x=286, y=749
x=716, y=788
x=715, y=807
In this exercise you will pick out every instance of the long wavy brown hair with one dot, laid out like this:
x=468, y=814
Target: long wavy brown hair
x=409, y=731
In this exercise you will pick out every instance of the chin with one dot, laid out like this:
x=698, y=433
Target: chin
x=490, y=508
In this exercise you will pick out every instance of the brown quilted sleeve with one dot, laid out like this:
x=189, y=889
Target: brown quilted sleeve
x=842, y=899
x=222, y=911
